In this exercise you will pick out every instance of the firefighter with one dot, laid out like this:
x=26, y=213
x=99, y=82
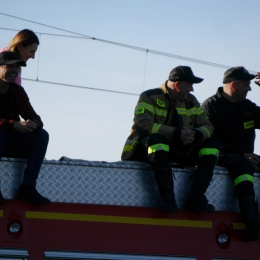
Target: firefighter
x=235, y=119
x=170, y=126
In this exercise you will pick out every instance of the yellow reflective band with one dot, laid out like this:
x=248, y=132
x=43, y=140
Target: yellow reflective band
x=154, y=110
x=200, y=111
x=243, y=177
x=206, y=130
x=249, y=124
x=129, y=147
x=156, y=128
x=1, y=213
x=143, y=106
x=189, y=112
x=160, y=103
x=208, y=151
x=158, y=147
x=139, y=110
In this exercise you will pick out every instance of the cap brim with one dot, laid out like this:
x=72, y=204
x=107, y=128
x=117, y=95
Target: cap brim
x=194, y=80
x=246, y=77
x=19, y=62
x=251, y=76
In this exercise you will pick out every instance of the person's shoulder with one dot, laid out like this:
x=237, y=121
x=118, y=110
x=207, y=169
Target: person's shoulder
x=152, y=92
x=192, y=98
x=17, y=89
x=211, y=99
x=3, y=49
x=249, y=103
x=214, y=99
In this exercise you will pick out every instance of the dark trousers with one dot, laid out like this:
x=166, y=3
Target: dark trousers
x=239, y=166
x=160, y=160
x=32, y=146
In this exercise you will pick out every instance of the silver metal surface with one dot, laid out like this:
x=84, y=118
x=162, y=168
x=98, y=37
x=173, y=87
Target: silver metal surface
x=8, y=252
x=118, y=183
x=102, y=256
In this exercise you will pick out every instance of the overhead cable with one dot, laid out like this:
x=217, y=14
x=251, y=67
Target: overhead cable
x=122, y=44
x=81, y=87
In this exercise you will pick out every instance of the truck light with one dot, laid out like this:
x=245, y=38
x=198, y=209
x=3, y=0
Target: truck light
x=222, y=238
x=14, y=227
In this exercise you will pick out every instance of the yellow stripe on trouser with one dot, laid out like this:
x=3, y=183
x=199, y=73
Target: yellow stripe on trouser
x=243, y=177
x=208, y=151
x=158, y=147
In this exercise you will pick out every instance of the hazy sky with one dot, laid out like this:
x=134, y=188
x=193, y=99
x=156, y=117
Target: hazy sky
x=93, y=122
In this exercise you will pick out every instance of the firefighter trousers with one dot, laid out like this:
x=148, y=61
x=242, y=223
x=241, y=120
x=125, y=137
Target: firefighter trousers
x=157, y=151
x=242, y=173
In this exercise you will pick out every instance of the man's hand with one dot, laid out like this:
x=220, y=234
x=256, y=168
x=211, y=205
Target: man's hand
x=257, y=77
x=187, y=136
x=31, y=124
x=252, y=158
x=25, y=127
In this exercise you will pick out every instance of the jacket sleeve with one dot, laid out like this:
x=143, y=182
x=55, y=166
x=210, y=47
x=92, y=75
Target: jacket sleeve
x=215, y=117
x=256, y=113
x=149, y=117
x=6, y=123
x=26, y=110
x=202, y=123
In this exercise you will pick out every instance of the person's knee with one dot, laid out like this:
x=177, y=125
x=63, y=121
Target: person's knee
x=158, y=150
x=212, y=142
x=43, y=136
x=2, y=135
x=156, y=139
x=245, y=166
x=240, y=165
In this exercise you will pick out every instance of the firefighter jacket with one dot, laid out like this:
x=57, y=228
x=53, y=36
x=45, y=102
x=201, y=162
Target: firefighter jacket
x=156, y=112
x=234, y=123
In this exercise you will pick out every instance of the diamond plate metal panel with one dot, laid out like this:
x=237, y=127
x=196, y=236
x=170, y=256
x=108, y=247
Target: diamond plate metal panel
x=119, y=183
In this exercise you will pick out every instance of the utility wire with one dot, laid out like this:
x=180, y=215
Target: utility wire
x=81, y=87
x=123, y=45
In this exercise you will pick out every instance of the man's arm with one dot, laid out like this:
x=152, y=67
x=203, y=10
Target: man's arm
x=218, y=121
x=25, y=127
x=27, y=112
x=203, y=127
x=145, y=113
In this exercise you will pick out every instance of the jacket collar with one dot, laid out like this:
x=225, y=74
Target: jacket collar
x=226, y=101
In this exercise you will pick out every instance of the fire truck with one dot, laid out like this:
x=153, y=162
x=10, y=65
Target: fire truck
x=102, y=210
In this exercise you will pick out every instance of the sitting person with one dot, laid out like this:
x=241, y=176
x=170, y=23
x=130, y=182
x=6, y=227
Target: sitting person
x=235, y=119
x=24, y=44
x=170, y=126
x=20, y=139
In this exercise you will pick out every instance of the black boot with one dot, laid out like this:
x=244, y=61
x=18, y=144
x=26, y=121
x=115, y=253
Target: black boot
x=197, y=200
x=2, y=200
x=165, y=186
x=30, y=194
x=249, y=209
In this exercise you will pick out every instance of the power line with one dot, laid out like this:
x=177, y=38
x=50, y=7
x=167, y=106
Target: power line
x=122, y=44
x=81, y=87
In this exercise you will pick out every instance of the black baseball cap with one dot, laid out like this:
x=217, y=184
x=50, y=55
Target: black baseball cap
x=237, y=73
x=183, y=73
x=9, y=58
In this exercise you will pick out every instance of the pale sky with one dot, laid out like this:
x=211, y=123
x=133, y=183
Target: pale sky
x=91, y=124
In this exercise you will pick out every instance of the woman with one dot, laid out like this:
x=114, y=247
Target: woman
x=24, y=45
